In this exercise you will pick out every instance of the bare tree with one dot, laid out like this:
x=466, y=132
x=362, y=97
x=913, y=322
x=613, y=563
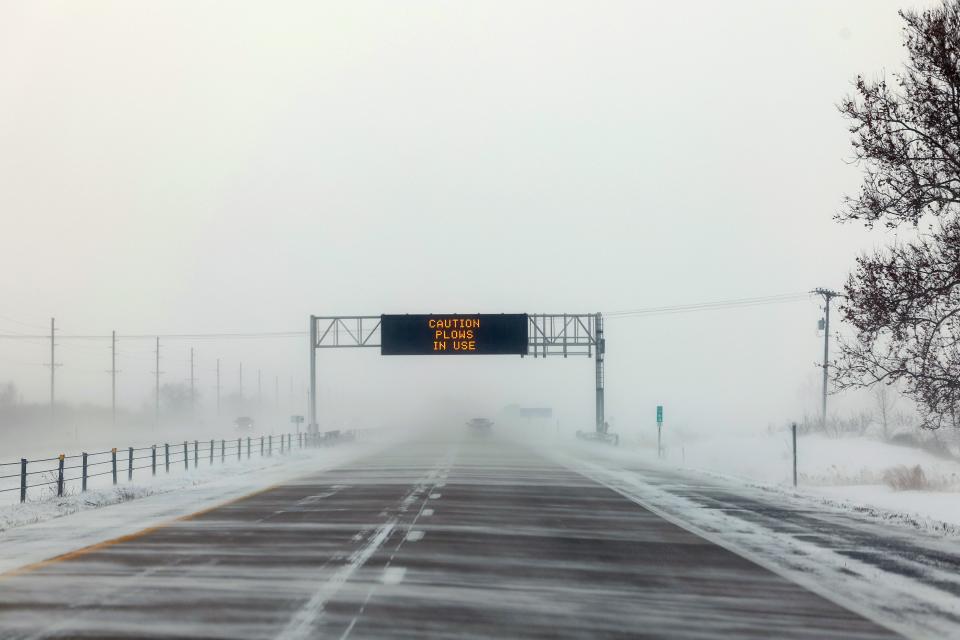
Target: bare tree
x=8, y=395
x=904, y=301
x=175, y=399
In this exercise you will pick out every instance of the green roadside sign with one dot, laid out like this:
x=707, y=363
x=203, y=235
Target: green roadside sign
x=659, y=414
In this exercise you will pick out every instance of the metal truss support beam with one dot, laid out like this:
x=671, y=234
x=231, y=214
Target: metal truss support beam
x=549, y=334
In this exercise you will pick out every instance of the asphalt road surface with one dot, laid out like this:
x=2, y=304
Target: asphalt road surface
x=473, y=538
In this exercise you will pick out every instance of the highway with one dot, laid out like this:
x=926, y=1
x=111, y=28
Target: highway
x=431, y=538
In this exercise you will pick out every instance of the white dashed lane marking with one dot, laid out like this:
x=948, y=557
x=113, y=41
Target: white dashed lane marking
x=415, y=536
x=434, y=496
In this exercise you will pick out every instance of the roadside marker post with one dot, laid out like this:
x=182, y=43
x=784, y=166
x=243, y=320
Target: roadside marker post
x=113, y=461
x=129, y=464
x=659, y=428
x=84, y=472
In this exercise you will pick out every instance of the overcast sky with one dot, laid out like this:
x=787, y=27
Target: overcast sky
x=204, y=166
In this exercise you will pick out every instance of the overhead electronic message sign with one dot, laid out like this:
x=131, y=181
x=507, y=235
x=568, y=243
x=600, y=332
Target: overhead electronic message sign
x=454, y=334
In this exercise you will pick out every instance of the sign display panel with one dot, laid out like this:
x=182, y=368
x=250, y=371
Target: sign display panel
x=454, y=334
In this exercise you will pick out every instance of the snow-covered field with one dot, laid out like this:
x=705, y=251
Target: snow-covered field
x=853, y=472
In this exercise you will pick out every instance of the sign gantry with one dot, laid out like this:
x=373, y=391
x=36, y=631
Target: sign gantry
x=523, y=334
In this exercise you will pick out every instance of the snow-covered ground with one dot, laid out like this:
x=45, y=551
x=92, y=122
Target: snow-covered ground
x=35, y=531
x=854, y=472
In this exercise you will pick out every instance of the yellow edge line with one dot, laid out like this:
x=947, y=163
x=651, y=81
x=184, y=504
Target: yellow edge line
x=70, y=555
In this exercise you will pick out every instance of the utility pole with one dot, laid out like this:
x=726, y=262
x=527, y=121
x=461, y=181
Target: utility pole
x=53, y=366
x=241, y=383
x=113, y=376
x=218, y=387
x=828, y=295
x=600, y=349
x=259, y=392
x=193, y=396
x=157, y=372
x=276, y=391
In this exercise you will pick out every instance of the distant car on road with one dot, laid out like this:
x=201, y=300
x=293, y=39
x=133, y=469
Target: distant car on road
x=480, y=425
x=244, y=423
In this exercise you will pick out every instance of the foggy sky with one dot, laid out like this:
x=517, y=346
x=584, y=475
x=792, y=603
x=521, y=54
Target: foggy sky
x=185, y=167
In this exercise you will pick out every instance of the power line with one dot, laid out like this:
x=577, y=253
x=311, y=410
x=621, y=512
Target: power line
x=253, y=335
x=710, y=306
x=165, y=336
x=32, y=325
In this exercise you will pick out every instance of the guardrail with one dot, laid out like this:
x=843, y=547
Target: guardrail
x=63, y=469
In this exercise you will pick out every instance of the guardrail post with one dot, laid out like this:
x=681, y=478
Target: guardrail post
x=239, y=448
x=153, y=459
x=83, y=484
x=248, y=447
x=261, y=446
x=113, y=457
x=223, y=451
x=196, y=454
x=23, y=479
x=60, y=477
x=186, y=456
x=282, y=438
x=166, y=456
x=211, y=451
x=130, y=464
x=270, y=445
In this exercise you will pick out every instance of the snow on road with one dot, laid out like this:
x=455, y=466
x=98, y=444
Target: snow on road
x=905, y=577
x=36, y=531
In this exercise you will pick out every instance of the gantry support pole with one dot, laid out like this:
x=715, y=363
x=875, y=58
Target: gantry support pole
x=312, y=427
